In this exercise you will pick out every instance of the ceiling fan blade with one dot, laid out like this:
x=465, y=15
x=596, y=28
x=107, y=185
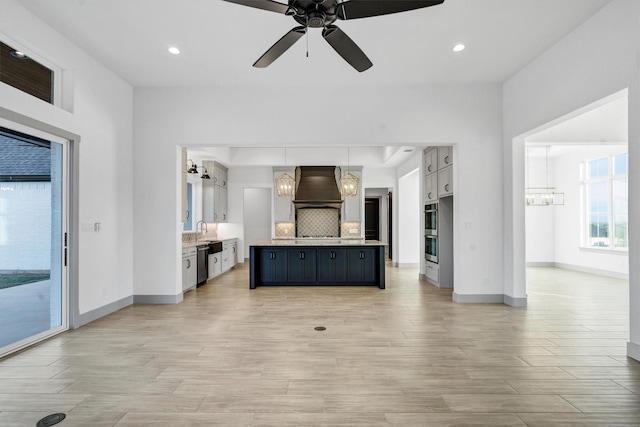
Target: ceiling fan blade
x=269, y=5
x=354, y=9
x=346, y=48
x=280, y=47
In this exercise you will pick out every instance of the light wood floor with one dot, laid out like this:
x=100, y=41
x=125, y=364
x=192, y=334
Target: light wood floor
x=406, y=355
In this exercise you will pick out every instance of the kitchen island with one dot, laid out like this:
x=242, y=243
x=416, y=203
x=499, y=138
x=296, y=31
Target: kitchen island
x=313, y=262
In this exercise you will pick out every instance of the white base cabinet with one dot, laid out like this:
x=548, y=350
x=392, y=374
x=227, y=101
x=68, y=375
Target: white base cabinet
x=189, y=268
x=215, y=265
x=224, y=261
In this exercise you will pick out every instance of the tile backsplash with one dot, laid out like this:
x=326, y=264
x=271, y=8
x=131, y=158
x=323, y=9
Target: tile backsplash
x=210, y=234
x=351, y=229
x=321, y=222
x=285, y=229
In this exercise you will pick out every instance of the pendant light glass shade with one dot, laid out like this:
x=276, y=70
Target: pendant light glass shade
x=348, y=182
x=285, y=183
x=349, y=185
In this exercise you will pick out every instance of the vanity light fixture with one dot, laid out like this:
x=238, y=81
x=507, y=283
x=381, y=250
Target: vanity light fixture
x=285, y=183
x=194, y=169
x=348, y=182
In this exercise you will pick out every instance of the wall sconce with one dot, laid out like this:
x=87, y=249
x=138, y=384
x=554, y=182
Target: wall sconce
x=194, y=169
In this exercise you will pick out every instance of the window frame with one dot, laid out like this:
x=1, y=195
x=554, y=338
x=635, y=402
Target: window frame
x=585, y=212
x=39, y=58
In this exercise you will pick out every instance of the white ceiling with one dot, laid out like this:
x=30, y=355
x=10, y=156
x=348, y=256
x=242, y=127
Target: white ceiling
x=220, y=40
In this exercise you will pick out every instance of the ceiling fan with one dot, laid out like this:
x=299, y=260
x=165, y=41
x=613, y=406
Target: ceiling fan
x=323, y=14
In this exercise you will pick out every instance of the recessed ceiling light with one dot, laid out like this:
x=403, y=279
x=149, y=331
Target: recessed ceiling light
x=18, y=54
x=459, y=47
x=174, y=50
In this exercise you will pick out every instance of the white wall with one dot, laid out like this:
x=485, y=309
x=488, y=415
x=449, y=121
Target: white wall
x=409, y=230
x=540, y=220
x=597, y=59
x=100, y=111
x=260, y=117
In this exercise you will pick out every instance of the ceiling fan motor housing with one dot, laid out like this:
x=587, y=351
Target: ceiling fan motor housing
x=314, y=13
x=316, y=19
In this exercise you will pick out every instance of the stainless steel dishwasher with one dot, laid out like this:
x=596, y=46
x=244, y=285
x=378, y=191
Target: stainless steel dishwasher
x=203, y=261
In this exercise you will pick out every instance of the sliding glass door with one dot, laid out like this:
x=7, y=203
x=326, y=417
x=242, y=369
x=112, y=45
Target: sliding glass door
x=33, y=239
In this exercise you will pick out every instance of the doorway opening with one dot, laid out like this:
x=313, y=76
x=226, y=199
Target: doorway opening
x=372, y=218
x=584, y=156
x=378, y=217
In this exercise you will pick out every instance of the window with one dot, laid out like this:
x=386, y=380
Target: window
x=605, y=214
x=22, y=72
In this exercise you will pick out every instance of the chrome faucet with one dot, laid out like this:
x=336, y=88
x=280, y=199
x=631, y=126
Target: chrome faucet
x=204, y=229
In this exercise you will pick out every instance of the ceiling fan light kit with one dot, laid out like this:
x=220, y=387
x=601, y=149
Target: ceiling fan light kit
x=323, y=14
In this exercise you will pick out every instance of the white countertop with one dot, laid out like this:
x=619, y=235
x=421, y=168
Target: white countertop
x=192, y=243
x=318, y=242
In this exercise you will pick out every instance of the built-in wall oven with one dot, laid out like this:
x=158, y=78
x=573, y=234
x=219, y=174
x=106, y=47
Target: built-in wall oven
x=431, y=219
x=431, y=232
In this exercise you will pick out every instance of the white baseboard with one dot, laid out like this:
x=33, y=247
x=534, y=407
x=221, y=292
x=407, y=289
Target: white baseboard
x=581, y=269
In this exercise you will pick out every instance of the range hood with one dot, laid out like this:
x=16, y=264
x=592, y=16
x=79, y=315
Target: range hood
x=317, y=187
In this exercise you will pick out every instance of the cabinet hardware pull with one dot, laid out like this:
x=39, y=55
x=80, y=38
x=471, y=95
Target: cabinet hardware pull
x=446, y=159
x=188, y=263
x=429, y=195
x=429, y=168
x=446, y=187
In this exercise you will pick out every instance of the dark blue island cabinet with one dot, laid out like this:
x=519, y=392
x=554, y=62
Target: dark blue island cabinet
x=274, y=265
x=332, y=266
x=303, y=264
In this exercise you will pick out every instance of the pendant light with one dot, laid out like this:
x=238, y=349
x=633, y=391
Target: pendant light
x=348, y=182
x=542, y=196
x=285, y=184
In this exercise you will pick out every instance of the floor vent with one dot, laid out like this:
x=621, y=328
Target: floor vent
x=51, y=420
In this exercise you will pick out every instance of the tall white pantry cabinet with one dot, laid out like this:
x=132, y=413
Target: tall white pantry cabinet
x=438, y=189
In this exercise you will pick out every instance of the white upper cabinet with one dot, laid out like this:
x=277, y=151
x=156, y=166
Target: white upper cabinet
x=220, y=176
x=431, y=187
x=444, y=157
x=430, y=160
x=438, y=170
x=214, y=193
x=445, y=181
